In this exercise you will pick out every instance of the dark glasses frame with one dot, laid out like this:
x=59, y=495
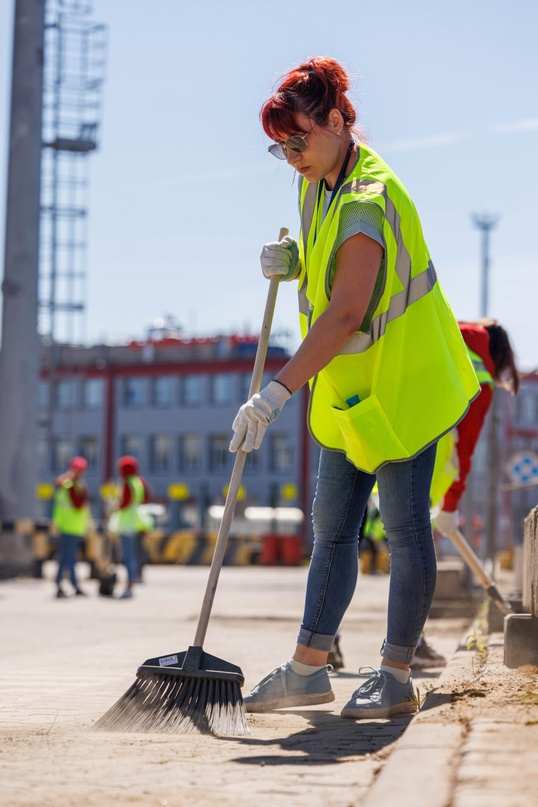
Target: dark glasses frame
x=295, y=143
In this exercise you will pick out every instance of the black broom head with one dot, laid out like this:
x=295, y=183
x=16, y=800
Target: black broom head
x=188, y=692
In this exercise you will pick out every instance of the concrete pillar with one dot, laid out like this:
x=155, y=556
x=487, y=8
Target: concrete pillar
x=19, y=357
x=520, y=640
x=521, y=630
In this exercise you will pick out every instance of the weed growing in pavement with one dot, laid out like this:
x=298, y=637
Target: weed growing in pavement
x=477, y=641
x=426, y=688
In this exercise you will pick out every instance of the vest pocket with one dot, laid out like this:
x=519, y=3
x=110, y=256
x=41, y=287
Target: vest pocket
x=369, y=439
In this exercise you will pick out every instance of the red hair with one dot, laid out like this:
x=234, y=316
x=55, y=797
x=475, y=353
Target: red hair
x=313, y=88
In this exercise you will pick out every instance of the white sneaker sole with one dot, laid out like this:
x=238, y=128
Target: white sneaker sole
x=356, y=713
x=291, y=700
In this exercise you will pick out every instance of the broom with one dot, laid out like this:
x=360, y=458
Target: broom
x=486, y=580
x=192, y=691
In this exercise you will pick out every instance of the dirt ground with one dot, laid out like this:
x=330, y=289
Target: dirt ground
x=496, y=709
x=68, y=661
x=485, y=688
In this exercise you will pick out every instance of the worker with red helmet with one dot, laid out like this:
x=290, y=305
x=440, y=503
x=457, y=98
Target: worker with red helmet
x=71, y=516
x=135, y=492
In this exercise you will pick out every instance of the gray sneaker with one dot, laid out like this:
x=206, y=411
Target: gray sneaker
x=426, y=656
x=283, y=687
x=381, y=696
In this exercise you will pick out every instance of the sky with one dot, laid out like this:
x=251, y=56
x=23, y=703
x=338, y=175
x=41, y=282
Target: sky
x=183, y=193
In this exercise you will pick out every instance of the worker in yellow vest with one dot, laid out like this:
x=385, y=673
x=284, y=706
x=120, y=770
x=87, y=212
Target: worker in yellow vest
x=70, y=516
x=493, y=358
x=388, y=372
x=135, y=491
x=494, y=362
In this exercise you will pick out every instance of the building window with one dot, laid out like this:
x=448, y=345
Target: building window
x=244, y=386
x=62, y=453
x=163, y=390
x=134, y=391
x=222, y=388
x=93, y=393
x=43, y=396
x=480, y=458
x=281, y=452
x=190, y=452
x=43, y=459
x=131, y=445
x=160, y=452
x=218, y=452
x=65, y=394
x=192, y=389
x=527, y=407
x=254, y=460
x=89, y=449
x=534, y=419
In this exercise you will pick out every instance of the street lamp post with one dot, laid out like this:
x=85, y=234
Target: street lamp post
x=486, y=222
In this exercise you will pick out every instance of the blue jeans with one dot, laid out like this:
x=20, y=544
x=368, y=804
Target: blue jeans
x=128, y=551
x=67, y=556
x=340, y=501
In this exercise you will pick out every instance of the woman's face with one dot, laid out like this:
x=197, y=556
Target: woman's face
x=325, y=149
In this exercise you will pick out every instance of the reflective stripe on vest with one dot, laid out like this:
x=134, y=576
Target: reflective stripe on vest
x=482, y=372
x=413, y=287
x=128, y=519
x=409, y=377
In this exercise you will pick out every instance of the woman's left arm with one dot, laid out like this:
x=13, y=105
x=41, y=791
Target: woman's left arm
x=357, y=267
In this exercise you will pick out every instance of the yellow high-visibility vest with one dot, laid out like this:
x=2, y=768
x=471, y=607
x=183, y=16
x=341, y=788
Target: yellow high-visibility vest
x=482, y=373
x=128, y=517
x=447, y=467
x=395, y=389
x=68, y=519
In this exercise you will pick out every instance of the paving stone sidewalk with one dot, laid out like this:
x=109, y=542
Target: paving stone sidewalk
x=64, y=662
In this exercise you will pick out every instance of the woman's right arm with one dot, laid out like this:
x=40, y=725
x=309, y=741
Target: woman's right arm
x=357, y=266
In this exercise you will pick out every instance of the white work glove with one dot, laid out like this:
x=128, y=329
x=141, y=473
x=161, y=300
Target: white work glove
x=255, y=415
x=446, y=523
x=281, y=258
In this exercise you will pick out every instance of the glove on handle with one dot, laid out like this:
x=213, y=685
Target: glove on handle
x=281, y=259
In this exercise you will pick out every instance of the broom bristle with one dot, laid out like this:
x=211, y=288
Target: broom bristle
x=178, y=705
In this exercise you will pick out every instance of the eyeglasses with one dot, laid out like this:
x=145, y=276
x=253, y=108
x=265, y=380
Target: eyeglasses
x=295, y=143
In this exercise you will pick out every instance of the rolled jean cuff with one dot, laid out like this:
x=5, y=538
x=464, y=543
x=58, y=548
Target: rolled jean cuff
x=317, y=641
x=395, y=652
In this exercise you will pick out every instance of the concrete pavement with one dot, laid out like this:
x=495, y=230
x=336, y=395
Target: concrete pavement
x=65, y=662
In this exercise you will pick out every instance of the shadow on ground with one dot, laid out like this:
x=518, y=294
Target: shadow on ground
x=328, y=740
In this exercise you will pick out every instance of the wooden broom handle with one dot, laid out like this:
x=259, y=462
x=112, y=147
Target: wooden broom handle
x=239, y=464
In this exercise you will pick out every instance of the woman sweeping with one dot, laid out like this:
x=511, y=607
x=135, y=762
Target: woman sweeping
x=388, y=373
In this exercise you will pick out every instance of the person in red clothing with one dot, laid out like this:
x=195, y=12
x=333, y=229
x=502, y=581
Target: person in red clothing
x=135, y=492
x=493, y=359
